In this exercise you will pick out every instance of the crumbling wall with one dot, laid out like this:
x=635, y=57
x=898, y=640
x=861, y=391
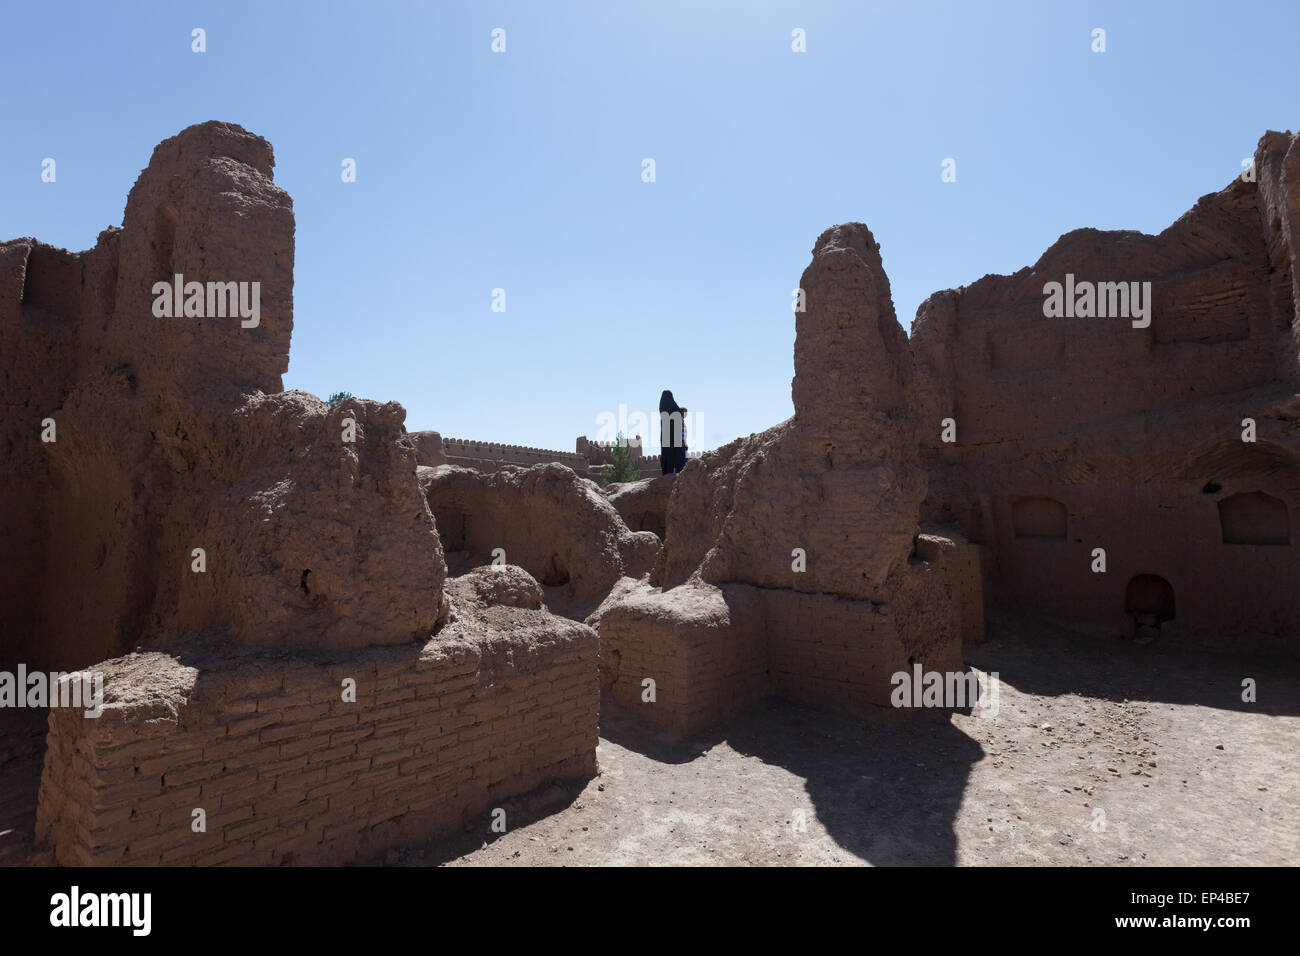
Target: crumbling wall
x=266, y=547
x=286, y=770
x=842, y=654
x=171, y=438
x=841, y=480
x=44, y=293
x=546, y=519
x=713, y=649
x=428, y=447
x=643, y=504
x=1006, y=369
x=1277, y=197
x=320, y=536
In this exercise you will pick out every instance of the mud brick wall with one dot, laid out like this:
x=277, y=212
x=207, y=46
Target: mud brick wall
x=713, y=651
x=841, y=654
x=286, y=771
x=831, y=652
x=704, y=666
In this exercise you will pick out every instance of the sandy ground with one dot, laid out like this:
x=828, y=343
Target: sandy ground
x=1101, y=752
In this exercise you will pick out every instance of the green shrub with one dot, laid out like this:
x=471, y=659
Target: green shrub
x=622, y=468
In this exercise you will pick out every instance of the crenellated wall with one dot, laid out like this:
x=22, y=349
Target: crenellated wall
x=485, y=455
x=588, y=461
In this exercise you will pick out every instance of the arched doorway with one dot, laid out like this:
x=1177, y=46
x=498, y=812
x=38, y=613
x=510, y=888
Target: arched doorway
x=1150, y=594
x=1149, y=601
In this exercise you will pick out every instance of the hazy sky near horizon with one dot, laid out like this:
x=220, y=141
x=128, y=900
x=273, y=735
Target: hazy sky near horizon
x=522, y=170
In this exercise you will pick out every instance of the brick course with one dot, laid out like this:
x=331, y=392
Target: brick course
x=712, y=652
x=286, y=771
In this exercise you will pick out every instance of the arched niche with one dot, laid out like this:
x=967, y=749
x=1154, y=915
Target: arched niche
x=1038, y=517
x=1253, y=517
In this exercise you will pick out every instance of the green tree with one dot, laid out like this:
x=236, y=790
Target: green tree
x=622, y=468
x=337, y=397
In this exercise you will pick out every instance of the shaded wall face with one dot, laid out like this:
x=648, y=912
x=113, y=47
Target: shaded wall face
x=33, y=339
x=1277, y=163
x=1171, y=530
x=98, y=571
x=47, y=298
x=712, y=651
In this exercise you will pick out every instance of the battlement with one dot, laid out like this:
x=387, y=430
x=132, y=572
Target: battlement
x=635, y=442
x=486, y=455
x=588, y=459
x=585, y=445
x=453, y=445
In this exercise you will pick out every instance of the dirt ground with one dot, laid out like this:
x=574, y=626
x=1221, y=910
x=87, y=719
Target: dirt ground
x=1101, y=752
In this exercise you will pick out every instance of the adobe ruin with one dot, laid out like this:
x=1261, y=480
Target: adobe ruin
x=335, y=637
x=257, y=576
x=1170, y=446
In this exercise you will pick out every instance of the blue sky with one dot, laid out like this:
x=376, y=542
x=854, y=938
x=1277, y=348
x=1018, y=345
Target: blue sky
x=522, y=170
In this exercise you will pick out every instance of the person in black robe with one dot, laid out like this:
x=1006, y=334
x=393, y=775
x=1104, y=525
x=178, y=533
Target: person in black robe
x=672, y=434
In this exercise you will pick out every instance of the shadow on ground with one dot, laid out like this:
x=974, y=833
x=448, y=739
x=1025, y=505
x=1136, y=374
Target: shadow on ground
x=889, y=791
x=886, y=791
x=22, y=752
x=1052, y=658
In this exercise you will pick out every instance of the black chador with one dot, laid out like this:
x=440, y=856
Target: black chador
x=672, y=434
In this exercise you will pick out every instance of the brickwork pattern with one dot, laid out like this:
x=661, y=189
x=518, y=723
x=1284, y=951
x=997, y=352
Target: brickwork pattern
x=712, y=654
x=286, y=771
x=702, y=673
